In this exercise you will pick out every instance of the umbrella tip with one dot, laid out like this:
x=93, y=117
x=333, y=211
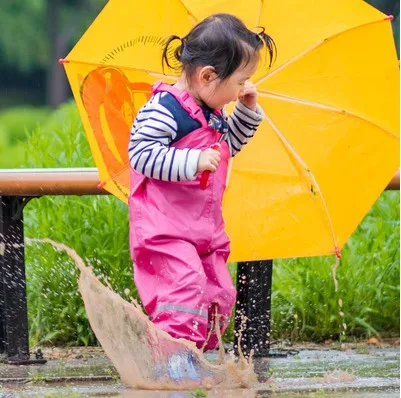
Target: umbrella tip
x=101, y=185
x=63, y=61
x=389, y=17
x=337, y=252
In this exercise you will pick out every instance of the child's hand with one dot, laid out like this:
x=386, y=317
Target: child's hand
x=248, y=96
x=209, y=159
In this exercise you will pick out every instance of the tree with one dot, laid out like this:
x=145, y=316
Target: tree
x=36, y=33
x=65, y=22
x=23, y=39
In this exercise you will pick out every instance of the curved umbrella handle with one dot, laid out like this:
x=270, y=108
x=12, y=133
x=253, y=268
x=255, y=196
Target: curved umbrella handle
x=204, y=180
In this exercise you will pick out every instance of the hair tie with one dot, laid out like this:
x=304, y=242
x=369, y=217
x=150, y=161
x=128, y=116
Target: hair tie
x=261, y=33
x=183, y=40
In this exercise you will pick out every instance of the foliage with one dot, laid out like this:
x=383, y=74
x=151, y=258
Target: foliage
x=97, y=227
x=305, y=304
x=26, y=37
x=16, y=122
x=37, y=32
x=14, y=126
x=23, y=40
x=59, y=142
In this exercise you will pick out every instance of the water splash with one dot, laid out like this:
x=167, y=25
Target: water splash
x=340, y=301
x=137, y=348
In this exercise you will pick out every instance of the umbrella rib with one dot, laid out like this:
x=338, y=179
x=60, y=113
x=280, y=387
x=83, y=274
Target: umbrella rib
x=308, y=50
x=294, y=153
x=260, y=14
x=189, y=12
x=281, y=97
x=155, y=74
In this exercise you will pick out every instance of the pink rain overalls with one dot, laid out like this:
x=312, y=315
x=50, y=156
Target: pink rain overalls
x=178, y=243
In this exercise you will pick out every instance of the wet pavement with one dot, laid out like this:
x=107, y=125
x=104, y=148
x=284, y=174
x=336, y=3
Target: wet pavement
x=369, y=372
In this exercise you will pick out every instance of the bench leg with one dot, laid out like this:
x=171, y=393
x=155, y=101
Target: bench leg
x=254, y=281
x=14, y=344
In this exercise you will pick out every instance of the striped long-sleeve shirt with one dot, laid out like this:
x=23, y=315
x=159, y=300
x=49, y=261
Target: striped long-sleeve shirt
x=162, y=121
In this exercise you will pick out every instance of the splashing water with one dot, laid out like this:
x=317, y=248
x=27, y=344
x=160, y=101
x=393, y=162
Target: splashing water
x=142, y=353
x=340, y=301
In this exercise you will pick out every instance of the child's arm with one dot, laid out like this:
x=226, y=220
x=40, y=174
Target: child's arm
x=149, y=148
x=242, y=123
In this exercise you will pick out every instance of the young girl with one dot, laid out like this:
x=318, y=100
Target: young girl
x=178, y=243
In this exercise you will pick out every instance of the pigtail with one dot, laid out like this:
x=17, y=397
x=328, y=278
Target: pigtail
x=269, y=43
x=167, y=55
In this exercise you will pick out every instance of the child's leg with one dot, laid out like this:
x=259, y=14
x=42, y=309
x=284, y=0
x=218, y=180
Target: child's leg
x=171, y=283
x=219, y=290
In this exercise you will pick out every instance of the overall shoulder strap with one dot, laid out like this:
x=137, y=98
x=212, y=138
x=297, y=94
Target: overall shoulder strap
x=185, y=100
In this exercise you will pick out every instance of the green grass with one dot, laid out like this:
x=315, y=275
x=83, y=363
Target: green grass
x=95, y=226
x=15, y=123
x=304, y=301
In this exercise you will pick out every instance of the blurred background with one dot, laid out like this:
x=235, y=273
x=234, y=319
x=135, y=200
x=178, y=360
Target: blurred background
x=36, y=33
x=40, y=127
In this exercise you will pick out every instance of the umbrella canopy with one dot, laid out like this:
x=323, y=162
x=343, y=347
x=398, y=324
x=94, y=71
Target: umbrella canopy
x=329, y=143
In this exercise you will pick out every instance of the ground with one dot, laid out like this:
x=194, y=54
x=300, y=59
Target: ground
x=363, y=369
x=66, y=353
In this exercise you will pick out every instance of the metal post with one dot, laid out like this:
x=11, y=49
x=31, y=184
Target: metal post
x=14, y=344
x=252, y=317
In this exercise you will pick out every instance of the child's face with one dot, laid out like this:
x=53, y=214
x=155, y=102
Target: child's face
x=217, y=93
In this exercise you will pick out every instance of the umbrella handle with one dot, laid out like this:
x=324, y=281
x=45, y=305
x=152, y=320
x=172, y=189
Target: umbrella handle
x=204, y=180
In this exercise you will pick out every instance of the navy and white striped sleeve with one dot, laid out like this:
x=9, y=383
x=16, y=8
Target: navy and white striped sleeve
x=242, y=123
x=149, y=148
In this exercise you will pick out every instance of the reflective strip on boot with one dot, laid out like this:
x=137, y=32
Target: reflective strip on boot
x=180, y=308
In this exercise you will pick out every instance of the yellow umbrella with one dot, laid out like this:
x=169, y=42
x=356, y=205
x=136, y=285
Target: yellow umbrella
x=330, y=141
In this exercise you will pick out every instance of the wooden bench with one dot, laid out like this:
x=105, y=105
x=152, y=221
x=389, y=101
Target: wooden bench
x=19, y=186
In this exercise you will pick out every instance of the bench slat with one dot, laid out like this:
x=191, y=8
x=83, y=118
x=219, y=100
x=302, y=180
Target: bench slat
x=71, y=181
x=39, y=182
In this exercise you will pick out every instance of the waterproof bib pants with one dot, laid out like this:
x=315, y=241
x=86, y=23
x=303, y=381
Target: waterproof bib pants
x=178, y=243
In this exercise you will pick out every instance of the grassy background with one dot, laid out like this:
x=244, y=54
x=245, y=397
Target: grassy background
x=305, y=304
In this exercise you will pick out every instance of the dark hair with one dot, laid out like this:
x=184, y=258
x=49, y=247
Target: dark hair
x=220, y=40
